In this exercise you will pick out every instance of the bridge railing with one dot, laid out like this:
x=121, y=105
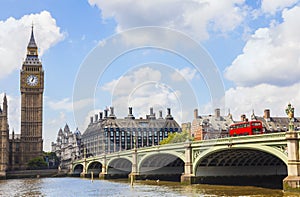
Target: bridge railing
x=242, y=139
x=280, y=136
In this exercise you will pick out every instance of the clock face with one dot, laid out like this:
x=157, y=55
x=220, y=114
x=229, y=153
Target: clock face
x=32, y=80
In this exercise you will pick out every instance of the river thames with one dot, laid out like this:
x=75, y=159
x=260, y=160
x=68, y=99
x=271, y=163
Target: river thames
x=85, y=187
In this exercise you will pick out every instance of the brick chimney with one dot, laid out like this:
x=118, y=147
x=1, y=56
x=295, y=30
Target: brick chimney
x=195, y=113
x=267, y=114
x=243, y=117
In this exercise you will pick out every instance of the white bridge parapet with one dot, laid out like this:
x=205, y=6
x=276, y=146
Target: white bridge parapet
x=192, y=154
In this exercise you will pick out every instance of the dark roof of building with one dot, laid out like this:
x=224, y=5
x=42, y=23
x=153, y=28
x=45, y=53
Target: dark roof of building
x=213, y=122
x=278, y=123
x=130, y=123
x=32, y=43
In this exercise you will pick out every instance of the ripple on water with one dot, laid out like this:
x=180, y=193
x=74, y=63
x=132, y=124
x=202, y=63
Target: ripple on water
x=84, y=187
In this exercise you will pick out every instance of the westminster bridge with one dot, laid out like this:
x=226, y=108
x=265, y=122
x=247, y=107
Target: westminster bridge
x=274, y=154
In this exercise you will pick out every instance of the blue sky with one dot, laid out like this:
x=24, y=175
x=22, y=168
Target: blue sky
x=255, y=46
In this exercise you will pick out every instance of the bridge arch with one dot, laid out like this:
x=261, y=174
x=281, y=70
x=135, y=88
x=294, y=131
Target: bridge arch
x=163, y=166
x=242, y=165
x=77, y=169
x=95, y=167
x=119, y=167
x=176, y=154
x=267, y=149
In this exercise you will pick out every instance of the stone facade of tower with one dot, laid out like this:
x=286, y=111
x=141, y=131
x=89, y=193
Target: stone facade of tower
x=31, y=87
x=4, y=139
x=17, y=149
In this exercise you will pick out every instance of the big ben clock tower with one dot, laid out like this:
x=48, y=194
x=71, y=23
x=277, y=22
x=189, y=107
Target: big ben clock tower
x=32, y=87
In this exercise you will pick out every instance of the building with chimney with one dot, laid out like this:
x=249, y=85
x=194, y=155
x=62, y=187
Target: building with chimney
x=275, y=124
x=210, y=126
x=106, y=133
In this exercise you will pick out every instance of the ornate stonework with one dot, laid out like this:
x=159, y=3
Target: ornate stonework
x=31, y=87
x=17, y=149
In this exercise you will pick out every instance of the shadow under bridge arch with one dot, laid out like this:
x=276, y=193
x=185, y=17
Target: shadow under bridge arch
x=161, y=166
x=119, y=168
x=78, y=168
x=241, y=167
x=95, y=167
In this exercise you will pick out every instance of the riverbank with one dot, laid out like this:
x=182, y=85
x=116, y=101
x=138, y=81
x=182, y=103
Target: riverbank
x=35, y=174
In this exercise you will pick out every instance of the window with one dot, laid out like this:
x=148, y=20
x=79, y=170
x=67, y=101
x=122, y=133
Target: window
x=166, y=134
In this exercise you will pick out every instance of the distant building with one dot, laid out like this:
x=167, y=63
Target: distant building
x=210, y=126
x=275, y=124
x=111, y=134
x=187, y=126
x=67, y=147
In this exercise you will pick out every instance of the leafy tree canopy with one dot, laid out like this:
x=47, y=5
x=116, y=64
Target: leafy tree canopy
x=176, y=138
x=37, y=163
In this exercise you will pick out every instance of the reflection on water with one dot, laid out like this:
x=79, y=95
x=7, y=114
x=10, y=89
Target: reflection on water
x=85, y=187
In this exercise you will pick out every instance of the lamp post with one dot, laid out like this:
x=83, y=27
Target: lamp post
x=292, y=181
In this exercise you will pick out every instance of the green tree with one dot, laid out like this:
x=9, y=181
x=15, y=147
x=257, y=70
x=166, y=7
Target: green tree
x=52, y=159
x=37, y=163
x=176, y=138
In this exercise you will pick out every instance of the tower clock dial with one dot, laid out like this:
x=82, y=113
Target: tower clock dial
x=32, y=80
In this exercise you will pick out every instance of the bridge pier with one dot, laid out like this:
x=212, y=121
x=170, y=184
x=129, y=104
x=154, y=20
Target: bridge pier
x=188, y=177
x=84, y=169
x=292, y=181
x=103, y=174
x=134, y=175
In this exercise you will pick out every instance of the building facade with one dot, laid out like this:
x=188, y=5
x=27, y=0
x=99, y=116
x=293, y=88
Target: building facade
x=17, y=149
x=32, y=88
x=108, y=133
x=275, y=124
x=210, y=126
x=67, y=146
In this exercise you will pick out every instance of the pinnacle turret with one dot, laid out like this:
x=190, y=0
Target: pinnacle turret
x=5, y=99
x=4, y=104
x=32, y=49
x=32, y=43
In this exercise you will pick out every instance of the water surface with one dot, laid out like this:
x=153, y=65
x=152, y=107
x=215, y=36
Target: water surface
x=85, y=187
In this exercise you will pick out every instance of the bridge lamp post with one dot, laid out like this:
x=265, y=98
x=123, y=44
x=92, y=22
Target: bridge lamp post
x=292, y=181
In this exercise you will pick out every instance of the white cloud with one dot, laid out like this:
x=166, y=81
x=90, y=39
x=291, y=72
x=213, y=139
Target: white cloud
x=273, y=6
x=141, y=89
x=60, y=120
x=242, y=100
x=52, y=126
x=133, y=79
x=68, y=105
x=271, y=55
x=186, y=73
x=195, y=17
x=15, y=35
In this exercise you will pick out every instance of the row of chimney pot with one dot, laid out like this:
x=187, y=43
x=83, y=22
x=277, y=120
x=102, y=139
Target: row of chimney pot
x=130, y=115
x=217, y=113
x=243, y=117
x=152, y=114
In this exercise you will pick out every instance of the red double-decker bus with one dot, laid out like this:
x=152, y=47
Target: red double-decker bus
x=246, y=128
